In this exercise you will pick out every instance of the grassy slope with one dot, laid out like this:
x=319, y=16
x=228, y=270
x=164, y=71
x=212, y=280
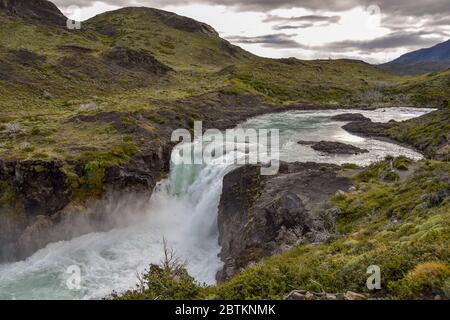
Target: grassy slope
x=403, y=227
x=428, y=89
x=202, y=62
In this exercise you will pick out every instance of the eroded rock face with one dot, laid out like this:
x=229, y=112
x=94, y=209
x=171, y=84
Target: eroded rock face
x=264, y=215
x=28, y=189
x=36, y=201
x=26, y=58
x=141, y=173
x=39, y=10
x=42, y=186
x=333, y=147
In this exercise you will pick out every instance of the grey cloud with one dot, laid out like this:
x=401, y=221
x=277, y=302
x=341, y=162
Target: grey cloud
x=390, y=41
x=293, y=27
x=413, y=24
x=397, y=7
x=395, y=12
x=302, y=22
x=309, y=18
x=277, y=40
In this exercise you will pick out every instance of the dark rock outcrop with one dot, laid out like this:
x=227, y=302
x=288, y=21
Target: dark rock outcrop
x=7, y=71
x=306, y=143
x=26, y=58
x=350, y=117
x=264, y=215
x=74, y=48
x=42, y=11
x=136, y=60
x=141, y=173
x=28, y=189
x=372, y=129
x=333, y=147
x=37, y=208
x=42, y=185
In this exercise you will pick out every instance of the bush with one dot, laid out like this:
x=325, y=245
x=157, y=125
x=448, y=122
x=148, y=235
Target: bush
x=426, y=281
x=156, y=118
x=391, y=176
x=350, y=166
x=168, y=281
x=402, y=163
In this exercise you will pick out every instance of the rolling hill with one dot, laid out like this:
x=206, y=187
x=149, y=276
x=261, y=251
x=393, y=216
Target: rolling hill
x=150, y=70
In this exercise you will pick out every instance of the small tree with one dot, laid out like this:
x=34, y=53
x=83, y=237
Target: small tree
x=167, y=281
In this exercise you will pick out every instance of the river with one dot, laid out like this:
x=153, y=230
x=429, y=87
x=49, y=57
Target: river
x=183, y=210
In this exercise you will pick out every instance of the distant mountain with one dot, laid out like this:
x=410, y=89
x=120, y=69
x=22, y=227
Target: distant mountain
x=432, y=59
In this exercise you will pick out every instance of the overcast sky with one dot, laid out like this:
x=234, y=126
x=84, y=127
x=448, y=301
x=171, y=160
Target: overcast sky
x=374, y=31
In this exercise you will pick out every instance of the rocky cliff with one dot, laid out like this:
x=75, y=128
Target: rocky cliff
x=39, y=203
x=264, y=215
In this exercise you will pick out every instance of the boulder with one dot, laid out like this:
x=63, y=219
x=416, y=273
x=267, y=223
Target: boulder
x=333, y=147
x=351, y=117
x=306, y=143
x=372, y=129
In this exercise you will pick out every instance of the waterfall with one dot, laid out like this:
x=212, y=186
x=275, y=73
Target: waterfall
x=183, y=210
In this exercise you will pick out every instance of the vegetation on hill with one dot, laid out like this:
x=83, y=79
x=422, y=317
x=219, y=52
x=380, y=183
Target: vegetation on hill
x=430, y=133
x=137, y=59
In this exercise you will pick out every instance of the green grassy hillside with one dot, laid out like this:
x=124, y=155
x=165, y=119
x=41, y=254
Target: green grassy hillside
x=138, y=60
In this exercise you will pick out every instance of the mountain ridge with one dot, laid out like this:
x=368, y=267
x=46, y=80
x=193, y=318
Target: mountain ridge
x=426, y=60
x=439, y=52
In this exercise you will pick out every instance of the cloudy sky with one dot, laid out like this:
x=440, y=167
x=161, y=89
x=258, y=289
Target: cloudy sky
x=372, y=30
